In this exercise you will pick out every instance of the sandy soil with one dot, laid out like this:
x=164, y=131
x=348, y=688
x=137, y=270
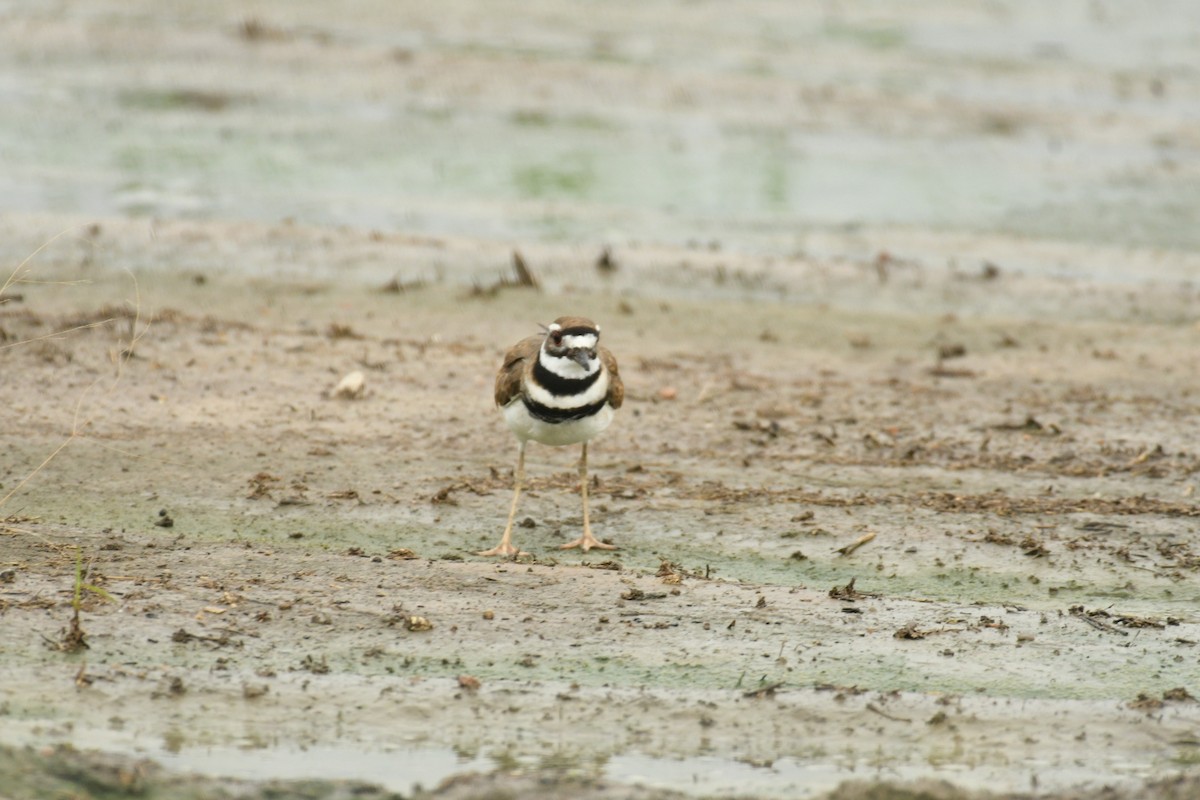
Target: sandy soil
x=272, y=556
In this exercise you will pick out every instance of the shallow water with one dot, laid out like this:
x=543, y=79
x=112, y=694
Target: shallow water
x=406, y=769
x=758, y=131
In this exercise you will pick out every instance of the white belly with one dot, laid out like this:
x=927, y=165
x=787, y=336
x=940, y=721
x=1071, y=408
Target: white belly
x=576, y=431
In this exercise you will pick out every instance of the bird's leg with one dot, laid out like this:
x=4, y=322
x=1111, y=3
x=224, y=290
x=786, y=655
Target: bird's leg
x=587, y=541
x=506, y=548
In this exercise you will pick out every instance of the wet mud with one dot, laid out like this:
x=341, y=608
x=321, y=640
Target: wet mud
x=849, y=543
x=904, y=486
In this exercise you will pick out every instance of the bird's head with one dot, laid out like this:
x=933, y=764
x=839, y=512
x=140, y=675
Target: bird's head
x=573, y=339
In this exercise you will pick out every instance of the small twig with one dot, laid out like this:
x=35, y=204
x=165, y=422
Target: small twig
x=884, y=714
x=766, y=691
x=857, y=543
x=183, y=636
x=1103, y=626
x=235, y=632
x=525, y=276
x=847, y=592
x=1097, y=624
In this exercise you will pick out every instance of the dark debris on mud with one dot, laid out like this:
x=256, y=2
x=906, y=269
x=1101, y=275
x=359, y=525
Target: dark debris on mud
x=62, y=771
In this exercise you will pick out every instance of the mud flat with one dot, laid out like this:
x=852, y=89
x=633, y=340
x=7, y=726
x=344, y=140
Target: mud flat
x=290, y=585
x=904, y=298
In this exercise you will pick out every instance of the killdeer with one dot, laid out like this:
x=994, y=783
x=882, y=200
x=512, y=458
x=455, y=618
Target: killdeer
x=560, y=388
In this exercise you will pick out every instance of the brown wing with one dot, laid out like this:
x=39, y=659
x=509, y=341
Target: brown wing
x=616, y=388
x=518, y=358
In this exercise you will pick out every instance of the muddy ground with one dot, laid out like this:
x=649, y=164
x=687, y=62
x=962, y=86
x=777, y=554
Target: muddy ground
x=285, y=571
x=904, y=489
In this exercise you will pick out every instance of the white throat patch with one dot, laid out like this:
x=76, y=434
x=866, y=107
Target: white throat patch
x=564, y=367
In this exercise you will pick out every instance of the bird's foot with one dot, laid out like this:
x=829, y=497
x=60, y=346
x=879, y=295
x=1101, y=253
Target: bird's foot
x=504, y=549
x=587, y=542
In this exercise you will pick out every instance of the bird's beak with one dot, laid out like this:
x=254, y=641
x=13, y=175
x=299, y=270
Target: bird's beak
x=581, y=358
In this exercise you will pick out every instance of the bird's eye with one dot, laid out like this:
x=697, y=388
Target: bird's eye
x=591, y=353
x=556, y=337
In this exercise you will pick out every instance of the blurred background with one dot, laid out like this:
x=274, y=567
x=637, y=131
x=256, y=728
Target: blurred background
x=823, y=130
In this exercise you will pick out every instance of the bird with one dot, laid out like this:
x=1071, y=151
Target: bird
x=559, y=388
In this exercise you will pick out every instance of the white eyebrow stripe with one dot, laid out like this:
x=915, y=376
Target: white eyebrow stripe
x=585, y=340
